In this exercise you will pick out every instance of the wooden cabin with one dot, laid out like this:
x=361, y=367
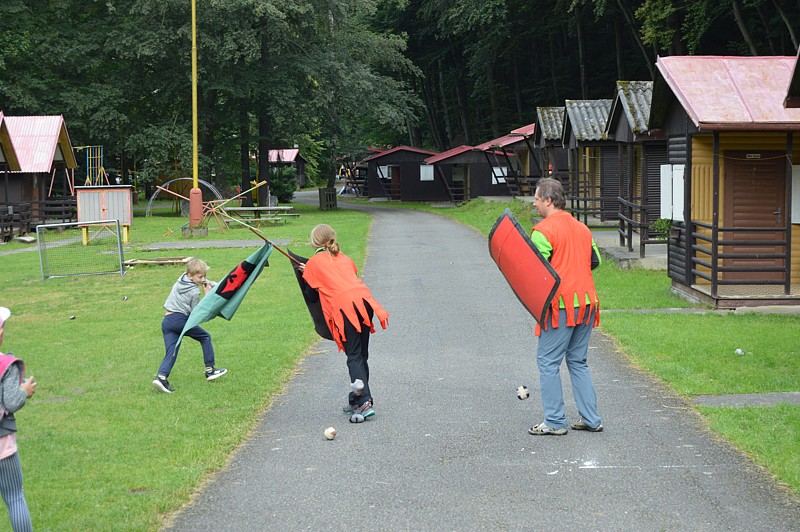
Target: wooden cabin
x=592, y=160
x=548, y=141
x=732, y=179
x=471, y=175
x=513, y=158
x=291, y=158
x=641, y=153
x=43, y=189
x=402, y=174
x=8, y=163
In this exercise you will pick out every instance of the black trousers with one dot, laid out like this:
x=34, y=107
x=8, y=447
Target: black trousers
x=356, y=347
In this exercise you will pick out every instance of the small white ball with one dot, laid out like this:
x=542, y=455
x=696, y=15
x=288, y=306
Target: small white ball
x=523, y=393
x=739, y=351
x=330, y=433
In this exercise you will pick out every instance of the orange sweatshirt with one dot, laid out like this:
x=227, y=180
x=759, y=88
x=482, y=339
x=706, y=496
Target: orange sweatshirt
x=572, y=259
x=342, y=294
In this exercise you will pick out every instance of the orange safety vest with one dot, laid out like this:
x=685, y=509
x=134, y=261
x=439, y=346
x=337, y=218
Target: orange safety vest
x=342, y=294
x=572, y=260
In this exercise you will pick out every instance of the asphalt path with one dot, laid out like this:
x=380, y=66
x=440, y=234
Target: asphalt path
x=449, y=447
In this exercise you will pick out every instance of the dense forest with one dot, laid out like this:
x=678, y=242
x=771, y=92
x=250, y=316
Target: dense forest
x=336, y=76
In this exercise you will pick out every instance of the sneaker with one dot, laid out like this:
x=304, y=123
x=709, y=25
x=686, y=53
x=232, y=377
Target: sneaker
x=581, y=425
x=215, y=373
x=365, y=410
x=162, y=385
x=349, y=408
x=543, y=430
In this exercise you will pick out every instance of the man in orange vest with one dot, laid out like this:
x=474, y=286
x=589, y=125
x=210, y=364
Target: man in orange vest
x=574, y=311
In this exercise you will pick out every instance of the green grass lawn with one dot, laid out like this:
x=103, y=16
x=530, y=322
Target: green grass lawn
x=102, y=450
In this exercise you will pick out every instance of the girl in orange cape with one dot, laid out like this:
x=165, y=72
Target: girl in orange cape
x=348, y=307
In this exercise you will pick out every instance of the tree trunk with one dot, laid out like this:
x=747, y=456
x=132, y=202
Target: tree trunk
x=737, y=15
x=263, y=156
x=631, y=23
x=620, y=50
x=785, y=19
x=463, y=102
x=766, y=30
x=581, y=53
x=244, y=149
x=445, y=111
x=553, y=69
x=492, y=99
x=518, y=94
x=430, y=107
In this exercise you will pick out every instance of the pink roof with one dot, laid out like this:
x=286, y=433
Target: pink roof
x=400, y=148
x=283, y=156
x=732, y=92
x=525, y=131
x=35, y=140
x=499, y=142
x=448, y=154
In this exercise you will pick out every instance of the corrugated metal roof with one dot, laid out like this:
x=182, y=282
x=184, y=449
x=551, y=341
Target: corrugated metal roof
x=741, y=93
x=35, y=139
x=448, y=154
x=525, y=131
x=397, y=149
x=500, y=142
x=551, y=122
x=587, y=118
x=635, y=97
x=9, y=153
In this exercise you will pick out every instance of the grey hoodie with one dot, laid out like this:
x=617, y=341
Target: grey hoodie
x=184, y=296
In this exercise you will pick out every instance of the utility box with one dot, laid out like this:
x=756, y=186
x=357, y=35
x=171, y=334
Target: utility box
x=113, y=202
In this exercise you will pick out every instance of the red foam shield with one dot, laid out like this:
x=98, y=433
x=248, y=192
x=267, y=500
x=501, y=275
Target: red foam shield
x=532, y=279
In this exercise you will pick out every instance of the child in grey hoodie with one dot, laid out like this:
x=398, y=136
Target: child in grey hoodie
x=183, y=297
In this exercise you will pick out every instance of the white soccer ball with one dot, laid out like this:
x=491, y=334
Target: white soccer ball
x=739, y=351
x=523, y=393
x=330, y=433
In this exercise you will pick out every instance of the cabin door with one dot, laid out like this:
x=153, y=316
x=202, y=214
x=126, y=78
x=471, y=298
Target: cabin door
x=755, y=196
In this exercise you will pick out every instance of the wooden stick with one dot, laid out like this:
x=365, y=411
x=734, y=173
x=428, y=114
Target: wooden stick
x=260, y=235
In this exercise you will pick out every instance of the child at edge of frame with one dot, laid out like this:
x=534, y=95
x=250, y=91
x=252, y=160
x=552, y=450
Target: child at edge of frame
x=183, y=297
x=15, y=390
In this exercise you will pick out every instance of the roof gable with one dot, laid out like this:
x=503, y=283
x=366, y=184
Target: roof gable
x=7, y=151
x=37, y=139
x=792, y=99
x=550, y=123
x=733, y=93
x=586, y=119
x=632, y=100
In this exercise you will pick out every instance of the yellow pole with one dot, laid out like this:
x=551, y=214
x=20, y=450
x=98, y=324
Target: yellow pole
x=195, y=196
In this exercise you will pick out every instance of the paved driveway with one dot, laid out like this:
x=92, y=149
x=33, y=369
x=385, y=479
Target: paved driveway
x=449, y=448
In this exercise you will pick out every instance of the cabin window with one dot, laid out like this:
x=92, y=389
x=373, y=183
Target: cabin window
x=499, y=174
x=426, y=172
x=459, y=173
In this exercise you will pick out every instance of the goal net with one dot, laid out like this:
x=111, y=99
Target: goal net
x=80, y=248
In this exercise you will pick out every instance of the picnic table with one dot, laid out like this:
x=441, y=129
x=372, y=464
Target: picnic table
x=272, y=214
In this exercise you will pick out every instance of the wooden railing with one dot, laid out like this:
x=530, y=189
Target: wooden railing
x=711, y=243
x=633, y=217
